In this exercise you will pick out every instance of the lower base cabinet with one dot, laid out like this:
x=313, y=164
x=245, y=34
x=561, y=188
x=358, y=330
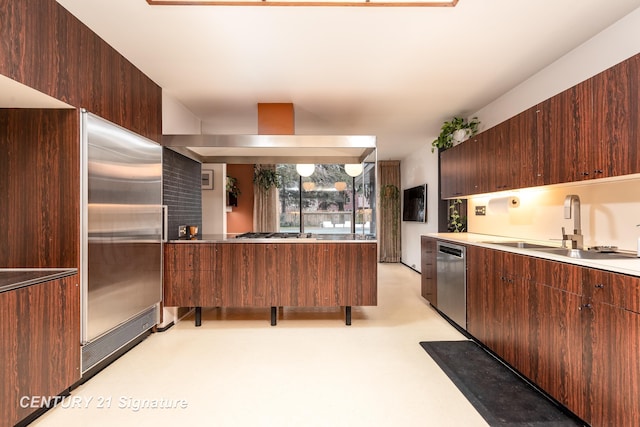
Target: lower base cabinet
x=39, y=344
x=573, y=331
x=428, y=270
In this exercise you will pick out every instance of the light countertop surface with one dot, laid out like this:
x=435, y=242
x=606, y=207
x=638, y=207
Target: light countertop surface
x=627, y=265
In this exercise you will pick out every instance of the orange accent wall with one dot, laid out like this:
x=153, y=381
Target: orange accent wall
x=240, y=219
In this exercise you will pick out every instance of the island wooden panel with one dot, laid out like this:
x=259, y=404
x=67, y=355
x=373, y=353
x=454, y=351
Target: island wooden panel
x=40, y=343
x=270, y=274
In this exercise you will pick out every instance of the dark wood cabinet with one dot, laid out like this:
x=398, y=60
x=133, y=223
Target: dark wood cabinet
x=588, y=131
x=616, y=114
x=40, y=342
x=565, y=136
x=453, y=171
x=428, y=270
x=555, y=333
x=612, y=348
x=270, y=274
x=573, y=331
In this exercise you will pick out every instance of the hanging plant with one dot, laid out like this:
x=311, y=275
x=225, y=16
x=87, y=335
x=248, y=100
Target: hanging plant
x=457, y=223
x=232, y=186
x=390, y=201
x=265, y=178
x=456, y=130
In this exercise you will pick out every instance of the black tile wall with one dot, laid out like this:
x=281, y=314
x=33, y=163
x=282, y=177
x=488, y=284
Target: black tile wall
x=181, y=191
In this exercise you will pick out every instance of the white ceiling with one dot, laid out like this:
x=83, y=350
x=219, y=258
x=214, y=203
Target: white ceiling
x=396, y=73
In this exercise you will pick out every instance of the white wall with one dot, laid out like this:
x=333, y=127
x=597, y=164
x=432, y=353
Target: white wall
x=177, y=119
x=607, y=207
x=214, y=218
x=419, y=168
x=609, y=215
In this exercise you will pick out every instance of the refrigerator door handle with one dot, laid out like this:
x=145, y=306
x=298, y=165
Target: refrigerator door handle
x=165, y=223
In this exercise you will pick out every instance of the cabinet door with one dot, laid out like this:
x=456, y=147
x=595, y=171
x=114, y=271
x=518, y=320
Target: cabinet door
x=452, y=172
x=616, y=117
x=555, y=337
x=39, y=344
x=564, y=128
x=555, y=333
x=480, y=290
x=499, y=170
x=242, y=274
x=612, y=344
x=615, y=367
x=428, y=270
x=189, y=275
x=525, y=161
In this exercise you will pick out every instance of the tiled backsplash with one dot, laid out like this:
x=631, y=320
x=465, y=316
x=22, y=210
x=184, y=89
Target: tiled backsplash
x=181, y=189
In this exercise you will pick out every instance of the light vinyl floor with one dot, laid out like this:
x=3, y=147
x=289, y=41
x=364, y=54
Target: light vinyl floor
x=309, y=370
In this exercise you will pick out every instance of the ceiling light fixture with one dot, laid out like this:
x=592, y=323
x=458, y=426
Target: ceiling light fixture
x=354, y=169
x=370, y=3
x=308, y=186
x=340, y=185
x=305, y=169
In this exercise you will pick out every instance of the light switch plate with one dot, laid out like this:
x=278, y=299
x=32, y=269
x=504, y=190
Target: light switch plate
x=481, y=210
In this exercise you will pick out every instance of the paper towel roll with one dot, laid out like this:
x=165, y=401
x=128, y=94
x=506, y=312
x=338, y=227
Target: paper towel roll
x=499, y=205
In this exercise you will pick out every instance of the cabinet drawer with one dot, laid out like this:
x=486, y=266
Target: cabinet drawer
x=612, y=288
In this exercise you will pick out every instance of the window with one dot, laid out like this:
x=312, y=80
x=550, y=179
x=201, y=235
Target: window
x=331, y=201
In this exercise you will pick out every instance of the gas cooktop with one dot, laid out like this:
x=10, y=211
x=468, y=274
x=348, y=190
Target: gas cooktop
x=274, y=235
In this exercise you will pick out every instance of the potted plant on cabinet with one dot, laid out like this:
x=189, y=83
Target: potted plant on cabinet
x=454, y=132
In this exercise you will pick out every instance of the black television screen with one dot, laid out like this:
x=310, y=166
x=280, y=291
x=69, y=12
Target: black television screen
x=414, y=204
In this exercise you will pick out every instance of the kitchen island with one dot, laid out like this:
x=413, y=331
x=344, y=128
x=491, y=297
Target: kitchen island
x=309, y=271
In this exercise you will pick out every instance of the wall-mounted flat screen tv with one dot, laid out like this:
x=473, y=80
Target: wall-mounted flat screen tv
x=414, y=204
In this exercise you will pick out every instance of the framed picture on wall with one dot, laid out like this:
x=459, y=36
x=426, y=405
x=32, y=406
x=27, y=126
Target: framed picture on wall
x=207, y=180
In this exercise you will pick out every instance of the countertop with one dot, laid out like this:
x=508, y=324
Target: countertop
x=630, y=266
x=316, y=238
x=15, y=278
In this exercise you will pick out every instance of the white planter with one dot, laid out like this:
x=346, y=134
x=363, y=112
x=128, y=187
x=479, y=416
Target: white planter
x=459, y=135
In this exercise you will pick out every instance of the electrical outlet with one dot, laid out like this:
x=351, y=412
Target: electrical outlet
x=481, y=210
x=182, y=231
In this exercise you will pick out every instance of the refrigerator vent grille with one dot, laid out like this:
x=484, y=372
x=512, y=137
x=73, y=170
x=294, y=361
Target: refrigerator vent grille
x=101, y=348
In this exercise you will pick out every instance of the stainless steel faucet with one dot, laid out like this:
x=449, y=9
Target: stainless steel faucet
x=572, y=208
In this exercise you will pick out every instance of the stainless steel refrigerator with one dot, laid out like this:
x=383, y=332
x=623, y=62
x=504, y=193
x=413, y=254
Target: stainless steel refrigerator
x=121, y=223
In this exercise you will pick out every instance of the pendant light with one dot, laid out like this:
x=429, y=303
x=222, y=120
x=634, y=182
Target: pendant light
x=305, y=169
x=353, y=169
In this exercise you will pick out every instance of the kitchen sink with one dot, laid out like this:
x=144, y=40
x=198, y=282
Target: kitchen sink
x=586, y=254
x=522, y=245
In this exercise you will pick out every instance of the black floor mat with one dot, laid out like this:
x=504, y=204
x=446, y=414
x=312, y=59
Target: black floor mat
x=498, y=394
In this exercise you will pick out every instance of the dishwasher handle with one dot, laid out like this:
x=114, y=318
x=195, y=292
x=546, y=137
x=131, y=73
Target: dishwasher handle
x=454, y=251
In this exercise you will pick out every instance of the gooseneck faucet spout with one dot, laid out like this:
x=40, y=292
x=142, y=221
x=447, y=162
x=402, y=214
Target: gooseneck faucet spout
x=572, y=209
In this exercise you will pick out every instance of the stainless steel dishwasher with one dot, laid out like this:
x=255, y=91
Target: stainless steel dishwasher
x=452, y=282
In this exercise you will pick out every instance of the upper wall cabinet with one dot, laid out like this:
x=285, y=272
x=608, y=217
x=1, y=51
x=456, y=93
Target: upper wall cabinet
x=588, y=131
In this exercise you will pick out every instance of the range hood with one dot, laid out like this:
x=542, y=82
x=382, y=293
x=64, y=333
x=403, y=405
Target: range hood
x=271, y=149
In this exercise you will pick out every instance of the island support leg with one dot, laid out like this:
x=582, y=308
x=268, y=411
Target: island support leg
x=198, y=316
x=347, y=315
x=274, y=316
